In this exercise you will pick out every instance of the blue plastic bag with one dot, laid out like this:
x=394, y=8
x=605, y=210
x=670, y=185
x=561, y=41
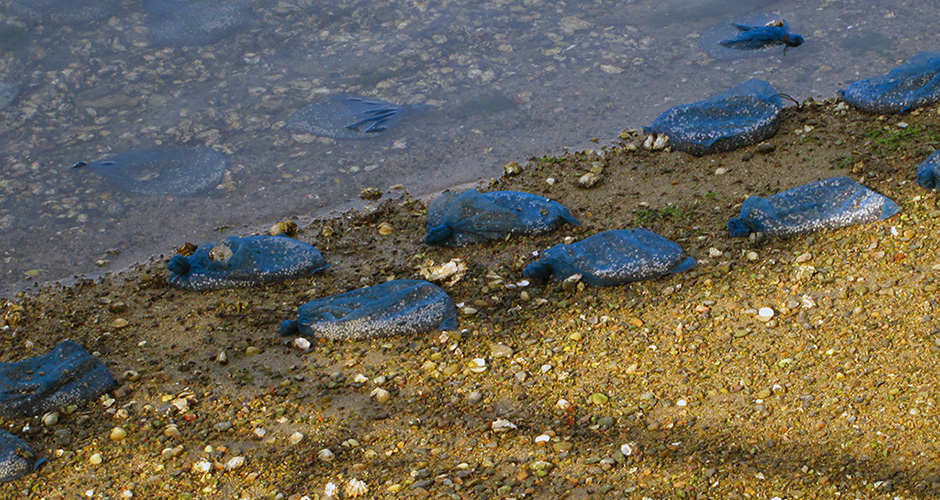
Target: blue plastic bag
x=756, y=37
x=343, y=116
x=915, y=83
x=16, y=458
x=470, y=217
x=67, y=375
x=612, y=258
x=821, y=205
x=741, y=116
x=245, y=261
x=928, y=172
x=163, y=170
x=399, y=307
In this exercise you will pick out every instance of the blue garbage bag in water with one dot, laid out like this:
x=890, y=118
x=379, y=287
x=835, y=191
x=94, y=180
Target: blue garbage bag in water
x=915, y=83
x=16, y=458
x=399, y=307
x=470, y=217
x=826, y=204
x=612, y=258
x=928, y=172
x=245, y=261
x=756, y=37
x=738, y=117
x=67, y=375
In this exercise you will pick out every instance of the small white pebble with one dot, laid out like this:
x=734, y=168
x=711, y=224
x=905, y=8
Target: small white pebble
x=562, y=404
x=234, y=463
x=325, y=455
x=766, y=312
x=502, y=425
x=550, y=181
x=477, y=365
x=295, y=438
x=302, y=343
x=682, y=402
x=360, y=379
x=202, y=467
x=329, y=490
x=96, y=459
x=127, y=494
x=721, y=171
x=626, y=449
x=542, y=439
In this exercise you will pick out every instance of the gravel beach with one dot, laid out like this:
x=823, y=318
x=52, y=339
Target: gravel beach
x=799, y=368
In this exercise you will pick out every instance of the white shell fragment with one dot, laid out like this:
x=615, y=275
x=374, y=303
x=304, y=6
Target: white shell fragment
x=626, y=449
x=502, y=425
x=234, y=463
x=301, y=343
x=356, y=488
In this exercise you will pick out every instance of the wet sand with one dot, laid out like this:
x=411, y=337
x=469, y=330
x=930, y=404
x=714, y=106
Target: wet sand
x=672, y=388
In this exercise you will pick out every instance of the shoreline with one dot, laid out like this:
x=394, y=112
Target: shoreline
x=671, y=388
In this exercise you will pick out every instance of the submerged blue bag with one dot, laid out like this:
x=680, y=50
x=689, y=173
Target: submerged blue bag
x=612, y=258
x=928, y=172
x=826, y=204
x=470, y=217
x=756, y=37
x=245, y=261
x=915, y=83
x=741, y=116
x=399, y=307
x=16, y=458
x=67, y=375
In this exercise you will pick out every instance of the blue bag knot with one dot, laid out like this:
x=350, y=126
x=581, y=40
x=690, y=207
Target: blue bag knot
x=438, y=235
x=178, y=265
x=289, y=327
x=738, y=228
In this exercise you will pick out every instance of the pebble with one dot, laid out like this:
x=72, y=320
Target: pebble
x=475, y=397
x=252, y=350
x=234, y=463
x=96, y=459
x=751, y=255
x=804, y=257
x=118, y=434
x=477, y=365
x=295, y=438
x=380, y=395
x=325, y=455
x=765, y=314
x=721, y=171
x=500, y=351
x=50, y=419
x=714, y=253
x=599, y=399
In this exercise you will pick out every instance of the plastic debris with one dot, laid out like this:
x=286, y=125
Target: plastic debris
x=928, y=172
x=471, y=217
x=399, y=307
x=67, y=375
x=181, y=23
x=821, y=205
x=753, y=35
x=343, y=116
x=612, y=258
x=915, y=83
x=741, y=116
x=245, y=261
x=162, y=170
x=16, y=458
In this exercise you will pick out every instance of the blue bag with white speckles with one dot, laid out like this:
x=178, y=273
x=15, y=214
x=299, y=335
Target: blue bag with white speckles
x=456, y=219
x=915, y=83
x=928, y=172
x=817, y=206
x=398, y=307
x=612, y=258
x=738, y=117
x=16, y=458
x=245, y=261
x=65, y=376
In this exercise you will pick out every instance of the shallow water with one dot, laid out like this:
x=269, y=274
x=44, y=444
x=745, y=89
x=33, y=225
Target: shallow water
x=505, y=80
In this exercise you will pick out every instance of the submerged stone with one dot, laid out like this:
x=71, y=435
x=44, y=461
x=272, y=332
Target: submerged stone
x=739, y=117
x=16, y=458
x=612, y=258
x=398, y=307
x=74, y=12
x=8, y=93
x=343, y=116
x=470, y=217
x=181, y=23
x=67, y=375
x=163, y=170
x=245, y=261
x=817, y=206
x=915, y=83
